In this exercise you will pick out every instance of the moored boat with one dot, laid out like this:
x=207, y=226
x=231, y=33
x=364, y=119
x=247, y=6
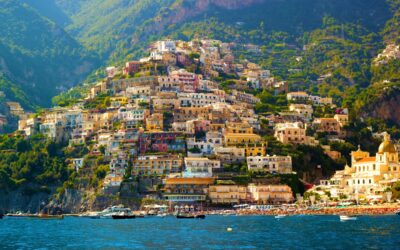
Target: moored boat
x=190, y=216
x=347, y=217
x=200, y=216
x=90, y=215
x=123, y=216
x=115, y=210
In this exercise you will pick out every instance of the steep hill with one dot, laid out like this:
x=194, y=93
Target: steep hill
x=342, y=36
x=37, y=55
x=118, y=25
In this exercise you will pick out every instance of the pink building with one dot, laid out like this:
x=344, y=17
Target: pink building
x=190, y=81
x=131, y=67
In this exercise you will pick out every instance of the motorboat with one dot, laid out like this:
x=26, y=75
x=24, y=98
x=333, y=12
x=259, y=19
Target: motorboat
x=90, y=215
x=280, y=216
x=114, y=210
x=347, y=217
x=162, y=215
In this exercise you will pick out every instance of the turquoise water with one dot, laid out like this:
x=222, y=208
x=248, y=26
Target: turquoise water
x=249, y=232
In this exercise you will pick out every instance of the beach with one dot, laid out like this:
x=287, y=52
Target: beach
x=350, y=210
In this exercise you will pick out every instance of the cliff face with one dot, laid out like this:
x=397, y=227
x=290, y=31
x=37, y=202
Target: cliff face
x=186, y=10
x=385, y=106
x=18, y=200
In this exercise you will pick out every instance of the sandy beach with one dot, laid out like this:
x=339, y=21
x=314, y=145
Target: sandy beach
x=351, y=210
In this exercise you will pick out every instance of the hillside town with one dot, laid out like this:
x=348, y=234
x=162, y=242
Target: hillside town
x=166, y=123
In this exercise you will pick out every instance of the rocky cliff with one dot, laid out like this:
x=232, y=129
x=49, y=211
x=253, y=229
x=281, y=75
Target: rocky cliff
x=185, y=10
x=384, y=105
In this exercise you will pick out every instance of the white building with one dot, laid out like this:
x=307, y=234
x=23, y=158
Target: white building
x=206, y=146
x=270, y=164
x=198, y=99
x=166, y=46
x=77, y=163
x=200, y=167
x=297, y=96
x=305, y=111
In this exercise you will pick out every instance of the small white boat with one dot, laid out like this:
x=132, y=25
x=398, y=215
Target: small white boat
x=114, y=210
x=346, y=218
x=280, y=216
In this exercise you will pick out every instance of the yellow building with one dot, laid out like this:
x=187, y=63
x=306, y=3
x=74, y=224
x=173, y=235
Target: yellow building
x=258, y=149
x=227, y=194
x=342, y=119
x=238, y=127
x=157, y=165
x=265, y=194
x=184, y=114
x=235, y=139
x=119, y=100
x=369, y=176
x=155, y=122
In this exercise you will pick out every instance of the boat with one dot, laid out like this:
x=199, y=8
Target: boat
x=50, y=217
x=114, y=210
x=200, y=216
x=123, y=216
x=347, y=217
x=90, y=215
x=190, y=216
x=151, y=213
x=280, y=216
x=398, y=212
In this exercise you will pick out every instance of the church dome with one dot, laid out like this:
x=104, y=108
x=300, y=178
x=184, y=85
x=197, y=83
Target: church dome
x=387, y=146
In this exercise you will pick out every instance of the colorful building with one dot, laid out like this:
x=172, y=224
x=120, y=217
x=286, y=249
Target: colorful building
x=187, y=190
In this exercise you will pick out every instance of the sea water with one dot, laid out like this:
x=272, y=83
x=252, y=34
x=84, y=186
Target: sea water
x=248, y=232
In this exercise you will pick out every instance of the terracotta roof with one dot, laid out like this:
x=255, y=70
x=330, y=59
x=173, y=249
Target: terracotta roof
x=367, y=159
x=196, y=180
